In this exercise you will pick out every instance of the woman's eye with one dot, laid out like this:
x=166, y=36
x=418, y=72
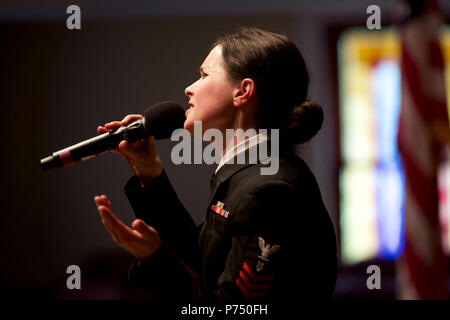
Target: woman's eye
x=203, y=75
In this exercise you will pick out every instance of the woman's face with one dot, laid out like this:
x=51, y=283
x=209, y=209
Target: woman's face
x=211, y=96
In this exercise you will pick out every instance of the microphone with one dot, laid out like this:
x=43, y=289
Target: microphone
x=159, y=121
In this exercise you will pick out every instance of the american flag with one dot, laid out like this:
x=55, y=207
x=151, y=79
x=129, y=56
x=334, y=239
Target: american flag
x=423, y=129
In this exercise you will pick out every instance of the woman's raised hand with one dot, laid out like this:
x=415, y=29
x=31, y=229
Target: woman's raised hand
x=141, y=156
x=141, y=241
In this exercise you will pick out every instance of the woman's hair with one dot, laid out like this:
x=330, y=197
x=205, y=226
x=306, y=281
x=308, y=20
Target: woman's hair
x=281, y=80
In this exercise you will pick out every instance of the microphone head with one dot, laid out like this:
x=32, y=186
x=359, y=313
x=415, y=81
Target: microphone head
x=163, y=118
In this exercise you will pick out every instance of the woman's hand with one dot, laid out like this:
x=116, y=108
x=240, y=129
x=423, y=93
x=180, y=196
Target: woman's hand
x=141, y=242
x=141, y=156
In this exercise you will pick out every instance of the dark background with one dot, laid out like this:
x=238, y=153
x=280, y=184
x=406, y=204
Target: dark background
x=57, y=85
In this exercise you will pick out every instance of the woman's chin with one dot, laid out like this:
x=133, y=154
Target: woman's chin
x=189, y=126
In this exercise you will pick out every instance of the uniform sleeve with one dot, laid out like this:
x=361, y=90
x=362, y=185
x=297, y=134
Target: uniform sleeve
x=165, y=277
x=158, y=205
x=169, y=272
x=283, y=248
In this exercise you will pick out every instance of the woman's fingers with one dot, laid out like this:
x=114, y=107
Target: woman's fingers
x=102, y=200
x=106, y=201
x=98, y=201
x=116, y=124
x=120, y=232
x=146, y=231
x=130, y=150
x=141, y=241
x=106, y=220
x=113, y=125
x=128, y=119
x=101, y=129
x=125, y=146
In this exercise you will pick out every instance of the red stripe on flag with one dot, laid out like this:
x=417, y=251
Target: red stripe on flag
x=435, y=56
x=426, y=280
x=424, y=266
x=425, y=197
x=438, y=109
x=412, y=79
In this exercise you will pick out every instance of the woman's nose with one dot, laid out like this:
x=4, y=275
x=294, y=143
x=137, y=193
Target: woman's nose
x=189, y=90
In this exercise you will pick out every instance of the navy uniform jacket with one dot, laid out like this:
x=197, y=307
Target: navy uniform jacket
x=264, y=237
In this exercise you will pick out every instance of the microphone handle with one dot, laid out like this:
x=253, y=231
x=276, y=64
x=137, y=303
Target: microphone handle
x=90, y=148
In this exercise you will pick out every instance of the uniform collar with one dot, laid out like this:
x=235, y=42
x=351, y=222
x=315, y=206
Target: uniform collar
x=241, y=147
x=228, y=169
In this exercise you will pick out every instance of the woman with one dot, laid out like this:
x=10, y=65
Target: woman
x=264, y=236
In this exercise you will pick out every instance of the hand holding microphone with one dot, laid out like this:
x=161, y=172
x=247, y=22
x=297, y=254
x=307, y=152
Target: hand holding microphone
x=141, y=156
x=133, y=138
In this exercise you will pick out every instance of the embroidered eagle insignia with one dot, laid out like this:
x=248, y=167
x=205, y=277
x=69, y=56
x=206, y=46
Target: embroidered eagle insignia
x=266, y=251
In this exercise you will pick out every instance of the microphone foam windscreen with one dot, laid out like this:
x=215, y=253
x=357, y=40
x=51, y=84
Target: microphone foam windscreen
x=163, y=118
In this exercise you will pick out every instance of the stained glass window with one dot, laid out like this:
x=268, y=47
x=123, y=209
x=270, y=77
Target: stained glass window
x=371, y=176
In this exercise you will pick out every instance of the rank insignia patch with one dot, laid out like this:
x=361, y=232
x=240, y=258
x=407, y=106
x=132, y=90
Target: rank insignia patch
x=252, y=285
x=218, y=208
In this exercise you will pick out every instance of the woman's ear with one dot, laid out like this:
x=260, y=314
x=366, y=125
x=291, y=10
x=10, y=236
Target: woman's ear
x=244, y=93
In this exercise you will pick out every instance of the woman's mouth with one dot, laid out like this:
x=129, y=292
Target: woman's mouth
x=189, y=110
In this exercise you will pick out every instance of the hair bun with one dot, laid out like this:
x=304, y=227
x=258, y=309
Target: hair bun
x=304, y=122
